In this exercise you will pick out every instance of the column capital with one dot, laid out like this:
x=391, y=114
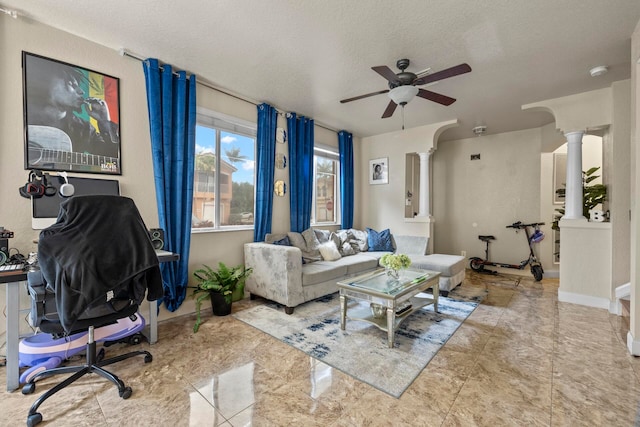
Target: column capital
x=574, y=135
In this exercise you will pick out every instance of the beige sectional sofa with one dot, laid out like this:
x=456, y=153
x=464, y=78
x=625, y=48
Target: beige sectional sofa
x=292, y=275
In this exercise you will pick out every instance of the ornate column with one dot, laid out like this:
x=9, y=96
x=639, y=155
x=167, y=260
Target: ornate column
x=573, y=195
x=424, y=208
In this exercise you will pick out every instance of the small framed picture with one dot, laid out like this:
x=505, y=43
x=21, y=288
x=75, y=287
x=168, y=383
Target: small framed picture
x=379, y=171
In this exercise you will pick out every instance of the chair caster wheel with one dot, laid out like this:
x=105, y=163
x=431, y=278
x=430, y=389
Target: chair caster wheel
x=34, y=419
x=126, y=393
x=29, y=388
x=148, y=358
x=135, y=339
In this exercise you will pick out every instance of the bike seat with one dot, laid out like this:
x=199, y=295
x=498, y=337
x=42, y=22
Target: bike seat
x=486, y=238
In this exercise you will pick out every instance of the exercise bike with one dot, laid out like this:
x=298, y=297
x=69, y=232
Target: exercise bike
x=478, y=264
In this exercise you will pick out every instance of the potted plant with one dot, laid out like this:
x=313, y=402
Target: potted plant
x=393, y=263
x=593, y=195
x=219, y=286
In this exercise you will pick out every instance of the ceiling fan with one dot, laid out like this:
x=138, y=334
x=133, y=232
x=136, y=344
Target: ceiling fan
x=402, y=86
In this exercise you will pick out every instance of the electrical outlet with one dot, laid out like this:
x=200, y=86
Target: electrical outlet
x=463, y=253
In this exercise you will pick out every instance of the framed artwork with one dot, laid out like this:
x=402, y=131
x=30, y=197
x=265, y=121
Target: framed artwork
x=379, y=171
x=559, y=176
x=71, y=117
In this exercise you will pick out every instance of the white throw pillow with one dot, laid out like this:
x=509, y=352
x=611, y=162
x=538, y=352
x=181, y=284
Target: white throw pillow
x=329, y=251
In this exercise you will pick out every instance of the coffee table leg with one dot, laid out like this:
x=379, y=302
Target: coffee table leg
x=343, y=311
x=436, y=294
x=391, y=317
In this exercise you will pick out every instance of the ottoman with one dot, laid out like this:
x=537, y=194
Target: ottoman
x=450, y=267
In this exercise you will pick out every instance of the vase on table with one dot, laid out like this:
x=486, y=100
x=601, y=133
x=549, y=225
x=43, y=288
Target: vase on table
x=379, y=311
x=393, y=273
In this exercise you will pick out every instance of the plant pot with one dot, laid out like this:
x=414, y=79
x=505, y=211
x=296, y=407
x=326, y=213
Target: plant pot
x=219, y=304
x=238, y=293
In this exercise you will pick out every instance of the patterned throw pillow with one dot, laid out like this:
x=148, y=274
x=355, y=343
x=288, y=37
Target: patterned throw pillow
x=360, y=238
x=347, y=245
x=322, y=235
x=283, y=242
x=380, y=241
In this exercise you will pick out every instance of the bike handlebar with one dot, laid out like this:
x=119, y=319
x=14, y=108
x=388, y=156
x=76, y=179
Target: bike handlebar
x=520, y=225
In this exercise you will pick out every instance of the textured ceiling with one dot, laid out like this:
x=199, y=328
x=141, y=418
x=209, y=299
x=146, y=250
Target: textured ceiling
x=305, y=56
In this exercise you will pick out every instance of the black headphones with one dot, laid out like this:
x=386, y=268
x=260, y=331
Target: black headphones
x=37, y=186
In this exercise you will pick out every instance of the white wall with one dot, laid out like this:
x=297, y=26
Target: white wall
x=479, y=197
x=617, y=168
x=383, y=206
x=633, y=341
x=137, y=178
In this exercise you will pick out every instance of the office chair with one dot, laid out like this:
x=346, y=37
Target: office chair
x=96, y=264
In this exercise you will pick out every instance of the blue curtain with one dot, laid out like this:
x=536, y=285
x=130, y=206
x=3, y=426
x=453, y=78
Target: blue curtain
x=171, y=98
x=345, y=146
x=301, y=140
x=266, y=159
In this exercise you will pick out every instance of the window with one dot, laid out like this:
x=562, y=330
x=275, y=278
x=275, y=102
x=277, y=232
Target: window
x=326, y=167
x=224, y=178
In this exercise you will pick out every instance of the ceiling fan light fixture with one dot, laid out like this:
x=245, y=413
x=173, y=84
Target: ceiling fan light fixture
x=401, y=95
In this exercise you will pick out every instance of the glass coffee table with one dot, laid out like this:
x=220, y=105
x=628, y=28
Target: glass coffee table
x=391, y=300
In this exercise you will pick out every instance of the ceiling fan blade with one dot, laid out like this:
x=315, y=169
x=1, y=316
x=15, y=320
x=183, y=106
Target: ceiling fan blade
x=444, y=74
x=391, y=108
x=387, y=73
x=355, y=98
x=435, y=97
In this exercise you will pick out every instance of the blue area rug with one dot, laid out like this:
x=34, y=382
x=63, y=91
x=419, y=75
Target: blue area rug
x=361, y=350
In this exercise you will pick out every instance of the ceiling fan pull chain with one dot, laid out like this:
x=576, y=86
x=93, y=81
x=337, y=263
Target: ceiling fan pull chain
x=402, y=112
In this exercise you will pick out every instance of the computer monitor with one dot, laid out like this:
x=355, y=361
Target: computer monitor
x=44, y=210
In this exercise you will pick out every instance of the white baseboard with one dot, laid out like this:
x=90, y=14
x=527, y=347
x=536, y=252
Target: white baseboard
x=623, y=290
x=615, y=307
x=633, y=345
x=587, y=300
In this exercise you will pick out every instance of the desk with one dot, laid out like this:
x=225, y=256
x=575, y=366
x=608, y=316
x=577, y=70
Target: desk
x=14, y=281
x=163, y=256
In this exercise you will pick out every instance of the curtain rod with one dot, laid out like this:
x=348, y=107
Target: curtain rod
x=125, y=52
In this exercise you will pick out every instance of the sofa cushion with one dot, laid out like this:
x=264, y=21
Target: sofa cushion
x=322, y=271
x=358, y=263
x=411, y=245
x=380, y=241
x=447, y=265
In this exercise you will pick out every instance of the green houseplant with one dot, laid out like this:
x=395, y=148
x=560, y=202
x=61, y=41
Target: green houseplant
x=593, y=195
x=219, y=286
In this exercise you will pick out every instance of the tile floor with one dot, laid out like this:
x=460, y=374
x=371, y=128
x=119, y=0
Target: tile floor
x=521, y=359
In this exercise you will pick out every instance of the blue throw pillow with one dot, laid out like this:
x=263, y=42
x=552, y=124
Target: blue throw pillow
x=283, y=242
x=380, y=241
